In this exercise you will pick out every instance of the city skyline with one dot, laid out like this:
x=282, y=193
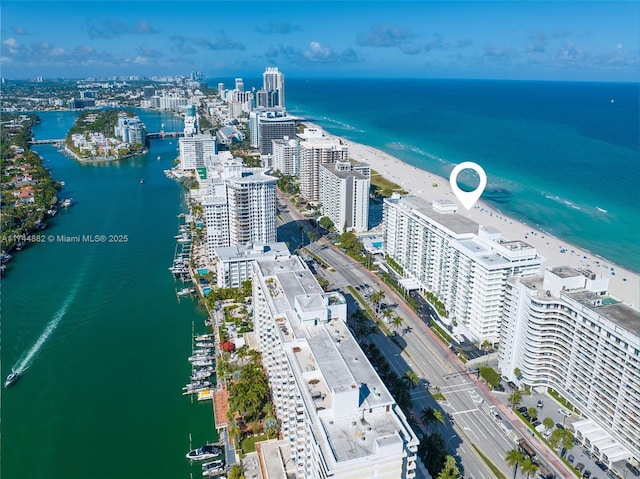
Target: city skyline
x=564, y=41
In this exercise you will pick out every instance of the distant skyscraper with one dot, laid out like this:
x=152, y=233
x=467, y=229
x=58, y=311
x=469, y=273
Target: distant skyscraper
x=191, y=126
x=239, y=84
x=273, y=85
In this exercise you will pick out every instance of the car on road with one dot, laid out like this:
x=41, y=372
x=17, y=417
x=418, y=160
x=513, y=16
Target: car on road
x=564, y=412
x=570, y=458
x=587, y=474
x=540, y=404
x=579, y=467
x=450, y=416
x=522, y=409
x=559, y=426
x=536, y=423
x=512, y=385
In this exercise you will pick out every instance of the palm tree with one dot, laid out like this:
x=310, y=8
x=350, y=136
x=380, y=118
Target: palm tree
x=528, y=467
x=386, y=314
x=514, y=459
x=396, y=321
x=449, y=470
x=515, y=398
x=548, y=422
x=412, y=377
x=431, y=416
x=377, y=298
x=533, y=412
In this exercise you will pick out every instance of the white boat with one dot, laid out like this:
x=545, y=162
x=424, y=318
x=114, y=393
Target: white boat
x=202, y=352
x=205, y=395
x=205, y=344
x=208, y=451
x=186, y=291
x=11, y=378
x=158, y=158
x=205, y=337
x=213, y=468
x=184, y=239
x=200, y=375
x=66, y=202
x=201, y=357
x=202, y=362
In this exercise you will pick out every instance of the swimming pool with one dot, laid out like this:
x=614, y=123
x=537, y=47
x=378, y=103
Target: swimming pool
x=376, y=244
x=203, y=271
x=206, y=291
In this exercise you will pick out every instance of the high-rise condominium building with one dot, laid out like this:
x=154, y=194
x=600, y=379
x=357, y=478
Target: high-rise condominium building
x=273, y=86
x=564, y=331
x=344, y=195
x=316, y=149
x=239, y=205
x=239, y=84
x=234, y=263
x=337, y=416
x=194, y=150
x=252, y=204
x=466, y=266
x=272, y=127
x=191, y=126
x=286, y=156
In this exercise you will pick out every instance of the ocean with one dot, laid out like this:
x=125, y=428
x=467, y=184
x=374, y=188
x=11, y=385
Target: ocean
x=98, y=329
x=559, y=156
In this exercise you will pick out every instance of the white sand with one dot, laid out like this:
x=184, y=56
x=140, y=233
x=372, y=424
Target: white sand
x=624, y=284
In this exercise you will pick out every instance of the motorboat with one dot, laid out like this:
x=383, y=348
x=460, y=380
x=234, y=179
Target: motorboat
x=186, y=291
x=204, y=337
x=200, y=374
x=201, y=357
x=202, y=362
x=5, y=257
x=195, y=387
x=66, y=202
x=205, y=344
x=202, y=352
x=142, y=181
x=202, y=453
x=11, y=378
x=213, y=468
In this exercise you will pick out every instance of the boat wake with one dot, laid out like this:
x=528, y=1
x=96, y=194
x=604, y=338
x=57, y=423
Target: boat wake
x=25, y=361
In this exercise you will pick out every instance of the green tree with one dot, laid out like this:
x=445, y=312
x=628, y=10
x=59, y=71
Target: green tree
x=236, y=472
x=533, y=412
x=431, y=416
x=400, y=389
x=271, y=426
x=433, y=453
x=548, y=422
x=528, y=467
x=514, y=458
x=450, y=469
x=326, y=223
x=412, y=377
x=396, y=321
x=515, y=398
x=377, y=298
x=517, y=373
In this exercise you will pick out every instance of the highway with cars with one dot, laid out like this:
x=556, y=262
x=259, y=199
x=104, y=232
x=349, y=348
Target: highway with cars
x=473, y=415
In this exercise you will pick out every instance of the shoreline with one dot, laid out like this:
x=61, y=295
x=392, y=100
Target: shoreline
x=624, y=284
x=75, y=156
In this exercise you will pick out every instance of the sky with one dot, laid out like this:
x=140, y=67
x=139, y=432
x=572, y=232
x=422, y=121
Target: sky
x=511, y=40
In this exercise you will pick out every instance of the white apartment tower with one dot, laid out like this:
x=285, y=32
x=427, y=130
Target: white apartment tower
x=191, y=126
x=273, y=85
x=344, y=195
x=194, y=150
x=251, y=196
x=564, y=331
x=466, y=266
x=317, y=149
x=286, y=156
x=337, y=416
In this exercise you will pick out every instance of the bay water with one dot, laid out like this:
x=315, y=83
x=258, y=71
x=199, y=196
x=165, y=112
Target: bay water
x=97, y=328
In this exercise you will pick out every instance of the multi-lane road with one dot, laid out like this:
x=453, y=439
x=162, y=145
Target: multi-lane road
x=467, y=401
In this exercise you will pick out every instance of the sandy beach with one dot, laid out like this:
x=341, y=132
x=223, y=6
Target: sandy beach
x=623, y=284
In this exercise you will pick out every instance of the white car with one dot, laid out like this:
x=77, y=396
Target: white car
x=564, y=412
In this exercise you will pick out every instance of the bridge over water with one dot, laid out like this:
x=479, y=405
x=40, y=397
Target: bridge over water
x=152, y=136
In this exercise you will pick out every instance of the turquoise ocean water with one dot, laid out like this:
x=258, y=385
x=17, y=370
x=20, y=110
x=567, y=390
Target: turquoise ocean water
x=560, y=156
x=99, y=330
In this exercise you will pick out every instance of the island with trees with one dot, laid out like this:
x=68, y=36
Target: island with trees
x=107, y=135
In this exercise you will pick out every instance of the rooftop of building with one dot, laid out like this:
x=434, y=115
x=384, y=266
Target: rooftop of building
x=253, y=175
x=453, y=222
x=252, y=251
x=606, y=306
x=330, y=167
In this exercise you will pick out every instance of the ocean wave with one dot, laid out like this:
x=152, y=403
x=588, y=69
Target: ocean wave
x=399, y=146
x=342, y=124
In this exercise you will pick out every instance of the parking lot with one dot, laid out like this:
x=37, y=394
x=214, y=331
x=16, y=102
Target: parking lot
x=579, y=457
